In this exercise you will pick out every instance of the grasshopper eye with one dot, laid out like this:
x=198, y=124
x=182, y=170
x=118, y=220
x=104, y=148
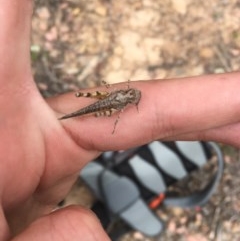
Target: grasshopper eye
x=131, y=92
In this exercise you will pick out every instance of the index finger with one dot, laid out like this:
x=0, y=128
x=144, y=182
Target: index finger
x=167, y=108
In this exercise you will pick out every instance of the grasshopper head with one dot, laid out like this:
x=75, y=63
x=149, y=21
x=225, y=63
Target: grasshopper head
x=133, y=96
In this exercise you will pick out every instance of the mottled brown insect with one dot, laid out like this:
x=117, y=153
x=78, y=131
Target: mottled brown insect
x=108, y=103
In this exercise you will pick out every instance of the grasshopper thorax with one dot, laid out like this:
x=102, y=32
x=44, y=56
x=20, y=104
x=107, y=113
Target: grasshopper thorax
x=129, y=96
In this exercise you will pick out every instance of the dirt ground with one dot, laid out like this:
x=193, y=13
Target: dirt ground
x=78, y=43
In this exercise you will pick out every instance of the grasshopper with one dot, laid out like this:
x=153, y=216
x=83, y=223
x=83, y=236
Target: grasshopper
x=108, y=102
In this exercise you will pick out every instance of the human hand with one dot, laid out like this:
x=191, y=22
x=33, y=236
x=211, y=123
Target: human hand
x=41, y=156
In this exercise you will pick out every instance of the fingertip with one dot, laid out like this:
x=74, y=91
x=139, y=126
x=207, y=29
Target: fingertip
x=70, y=223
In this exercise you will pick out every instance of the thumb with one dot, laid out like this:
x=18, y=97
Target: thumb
x=71, y=223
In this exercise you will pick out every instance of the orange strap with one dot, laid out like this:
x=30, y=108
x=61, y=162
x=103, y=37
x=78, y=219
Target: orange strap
x=156, y=201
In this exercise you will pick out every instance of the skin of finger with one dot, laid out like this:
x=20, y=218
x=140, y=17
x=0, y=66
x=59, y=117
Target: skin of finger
x=15, y=25
x=4, y=228
x=167, y=108
x=229, y=134
x=72, y=223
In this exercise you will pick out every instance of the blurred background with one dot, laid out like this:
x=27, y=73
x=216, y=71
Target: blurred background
x=78, y=43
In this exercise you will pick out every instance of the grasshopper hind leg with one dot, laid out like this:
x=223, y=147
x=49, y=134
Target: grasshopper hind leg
x=97, y=94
